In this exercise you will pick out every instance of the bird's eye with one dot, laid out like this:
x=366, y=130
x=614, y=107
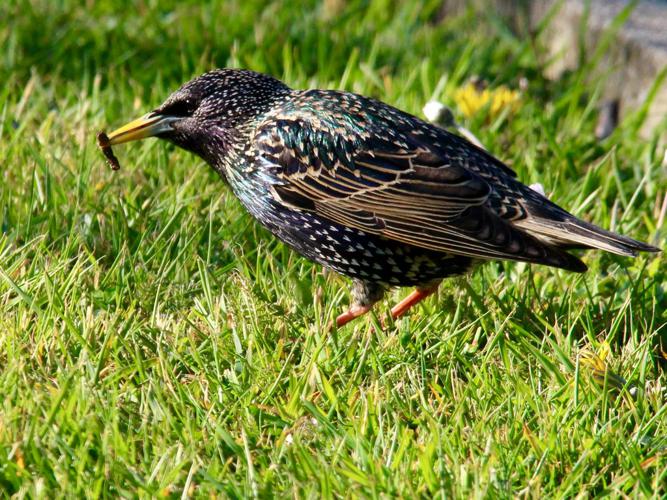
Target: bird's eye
x=181, y=108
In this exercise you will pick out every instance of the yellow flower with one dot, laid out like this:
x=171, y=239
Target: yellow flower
x=596, y=363
x=472, y=97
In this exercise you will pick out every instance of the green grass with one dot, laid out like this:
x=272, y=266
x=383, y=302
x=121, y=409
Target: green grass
x=155, y=341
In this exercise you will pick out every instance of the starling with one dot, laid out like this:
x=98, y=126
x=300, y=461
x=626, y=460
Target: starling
x=365, y=189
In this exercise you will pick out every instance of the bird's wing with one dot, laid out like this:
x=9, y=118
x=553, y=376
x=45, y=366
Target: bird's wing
x=393, y=184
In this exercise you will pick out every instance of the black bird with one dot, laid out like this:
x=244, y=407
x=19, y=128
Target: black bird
x=365, y=189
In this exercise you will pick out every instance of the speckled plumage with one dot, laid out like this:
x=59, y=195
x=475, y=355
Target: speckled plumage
x=368, y=190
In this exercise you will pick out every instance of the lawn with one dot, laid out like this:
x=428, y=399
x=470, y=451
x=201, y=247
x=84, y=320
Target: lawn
x=156, y=341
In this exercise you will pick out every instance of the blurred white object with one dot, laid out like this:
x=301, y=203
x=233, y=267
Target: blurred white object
x=439, y=114
x=538, y=188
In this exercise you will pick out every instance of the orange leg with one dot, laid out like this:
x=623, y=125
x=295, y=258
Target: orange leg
x=414, y=298
x=353, y=312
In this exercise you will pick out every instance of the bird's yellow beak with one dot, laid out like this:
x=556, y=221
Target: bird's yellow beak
x=148, y=125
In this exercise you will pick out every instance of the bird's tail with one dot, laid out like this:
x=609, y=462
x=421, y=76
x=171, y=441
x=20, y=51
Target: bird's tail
x=564, y=230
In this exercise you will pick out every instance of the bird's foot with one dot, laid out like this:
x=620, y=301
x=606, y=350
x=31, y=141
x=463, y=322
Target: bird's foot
x=354, y=312
x=364, y=295
x=411, y=300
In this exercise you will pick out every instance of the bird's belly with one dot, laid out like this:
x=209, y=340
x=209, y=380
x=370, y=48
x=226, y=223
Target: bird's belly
x=358, y=254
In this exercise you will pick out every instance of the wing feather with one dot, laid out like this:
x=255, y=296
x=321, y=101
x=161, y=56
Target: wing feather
x=399, y=186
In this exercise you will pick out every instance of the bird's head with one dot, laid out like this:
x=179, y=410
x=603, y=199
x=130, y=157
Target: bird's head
x=205, y=114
